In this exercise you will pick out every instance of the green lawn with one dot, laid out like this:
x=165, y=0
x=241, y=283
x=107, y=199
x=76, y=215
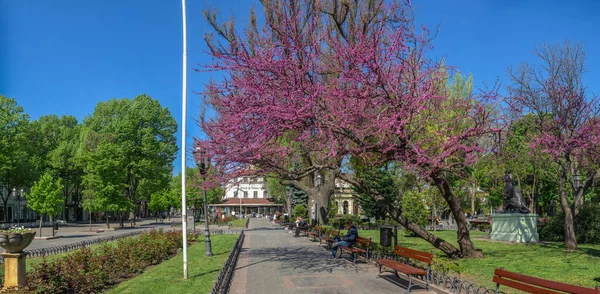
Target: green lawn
x=167, y=277
x=239, y=223
x=548, y=260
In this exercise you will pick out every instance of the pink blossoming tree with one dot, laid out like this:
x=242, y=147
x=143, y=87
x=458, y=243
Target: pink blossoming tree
x=328, y=79
x=566, y=119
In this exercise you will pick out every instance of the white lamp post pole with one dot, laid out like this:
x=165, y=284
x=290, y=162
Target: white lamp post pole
x=183, y=145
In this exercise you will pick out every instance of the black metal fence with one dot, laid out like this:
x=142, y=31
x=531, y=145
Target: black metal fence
x=441, y=280
x=74, y=246
x=224, y=279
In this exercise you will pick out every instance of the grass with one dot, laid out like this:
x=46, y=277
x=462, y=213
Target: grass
x=548, y=260
x=167, y=276
x=239, y=223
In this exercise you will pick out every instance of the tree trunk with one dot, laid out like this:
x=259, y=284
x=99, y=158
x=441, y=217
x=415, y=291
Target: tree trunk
x=52, y=224
x=462, y=234
x=570, y=239
x=473, y=199
x=121, y=219
x=41, y=220
x=107, y=221
x=6, y=210
x=434, y=240
x=90, y=217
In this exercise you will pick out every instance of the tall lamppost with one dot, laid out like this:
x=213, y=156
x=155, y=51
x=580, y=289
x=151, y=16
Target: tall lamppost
x=19, y=199
x=16, y=197
x=318, y=184
x=203, y=162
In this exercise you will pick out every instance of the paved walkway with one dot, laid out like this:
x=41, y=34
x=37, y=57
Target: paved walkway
x=273, y=261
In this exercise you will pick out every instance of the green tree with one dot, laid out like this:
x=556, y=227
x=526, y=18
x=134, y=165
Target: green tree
x=103, y=180
x=16, y=163
x=90, y=205
x=46, y=197
x=159, y=202
x=413, y=207
x=56, y=143
x=300, y=211
x=141, y=135
x=333, y=208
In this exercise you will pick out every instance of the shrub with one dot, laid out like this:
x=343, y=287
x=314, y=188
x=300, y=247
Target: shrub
x=86, y=271
x=300, y=210
x=414, y=209
x=587, y=226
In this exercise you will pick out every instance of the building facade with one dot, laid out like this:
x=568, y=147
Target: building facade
x=345, y=198
x=247, y=195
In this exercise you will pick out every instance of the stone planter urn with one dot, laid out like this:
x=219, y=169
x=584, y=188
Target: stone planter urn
x=16, y=242
x=14, y=257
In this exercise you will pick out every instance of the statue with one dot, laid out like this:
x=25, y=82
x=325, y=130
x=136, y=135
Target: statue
x=513, y=199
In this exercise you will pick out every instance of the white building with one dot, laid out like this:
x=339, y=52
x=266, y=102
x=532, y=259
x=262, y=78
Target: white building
x=345, y=198
x=247, y=194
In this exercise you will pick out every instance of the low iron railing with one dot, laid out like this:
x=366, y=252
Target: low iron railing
x=40, y=252
x=441, y=280
x=224, y=279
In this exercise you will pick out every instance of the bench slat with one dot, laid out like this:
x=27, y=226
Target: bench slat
x=401, y=267
x=521, y=286
x=354, y=249
x=545, y=283
x=425, y=257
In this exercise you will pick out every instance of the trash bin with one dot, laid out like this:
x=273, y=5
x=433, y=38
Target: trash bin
x=55, y=226
x=385, y=236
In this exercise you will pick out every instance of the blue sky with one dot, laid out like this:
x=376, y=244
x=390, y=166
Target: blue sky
x=64, y=56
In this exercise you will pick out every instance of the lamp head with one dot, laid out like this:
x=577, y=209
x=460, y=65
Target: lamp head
x=319, y=179
x=202, y=161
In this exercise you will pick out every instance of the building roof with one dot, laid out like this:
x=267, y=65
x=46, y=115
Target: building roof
x=247, y=202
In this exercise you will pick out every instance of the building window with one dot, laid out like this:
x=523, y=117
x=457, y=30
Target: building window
x=265, y=195
x=345, y=207
x=255, y=194
x=235, y=194
x=245, y=194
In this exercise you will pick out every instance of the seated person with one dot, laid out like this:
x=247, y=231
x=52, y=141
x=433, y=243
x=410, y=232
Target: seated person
x=346, y=241
x=300, y=222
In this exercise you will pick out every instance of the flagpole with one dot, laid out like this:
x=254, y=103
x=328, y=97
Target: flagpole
x=183, y=145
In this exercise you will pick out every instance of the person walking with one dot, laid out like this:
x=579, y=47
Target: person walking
x=346, y=241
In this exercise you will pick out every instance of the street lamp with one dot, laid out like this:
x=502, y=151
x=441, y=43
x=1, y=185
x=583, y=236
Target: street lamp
x=15, y=194
x=203, y=162
x=20, y=198
x=577, y=180
x=240, y=197
x=318, y=184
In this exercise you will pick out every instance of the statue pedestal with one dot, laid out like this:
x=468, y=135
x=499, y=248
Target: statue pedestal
x=14, y=270
x=515, y=227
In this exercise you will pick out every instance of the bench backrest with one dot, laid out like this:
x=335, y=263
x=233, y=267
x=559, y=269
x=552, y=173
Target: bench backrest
x=534, y=285
x=332, y=233
x=421, y=256
x=317, y=229
x=363, y=241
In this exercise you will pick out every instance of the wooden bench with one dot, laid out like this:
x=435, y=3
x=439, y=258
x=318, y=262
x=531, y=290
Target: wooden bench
x=406, y=269
x=304, y=230
x=328, y=237
x=315, y=233
x=363, y=242
x=531, y=284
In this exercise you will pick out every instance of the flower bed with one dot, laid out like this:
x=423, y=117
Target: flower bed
x=86, y=271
